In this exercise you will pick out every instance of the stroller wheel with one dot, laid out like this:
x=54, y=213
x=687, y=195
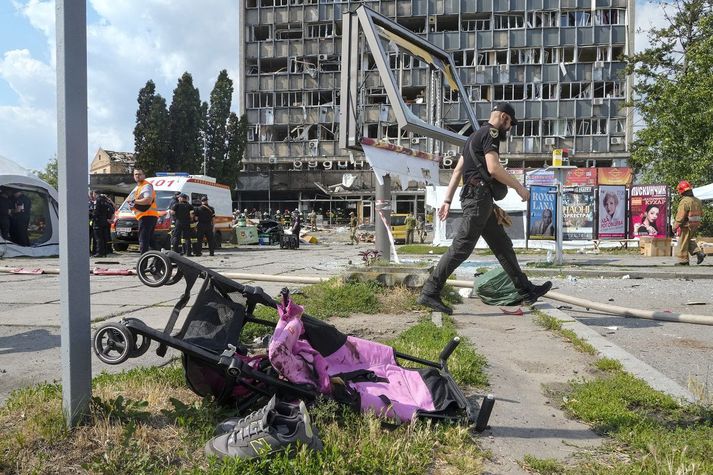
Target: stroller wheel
x=113, y=343
x=176, y=278
x=154, y=269
x=141, y=345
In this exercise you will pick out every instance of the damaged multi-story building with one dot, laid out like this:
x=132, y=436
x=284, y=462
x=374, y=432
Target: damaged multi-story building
x=558, y=62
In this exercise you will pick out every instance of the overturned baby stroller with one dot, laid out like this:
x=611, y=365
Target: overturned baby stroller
x=308, y=357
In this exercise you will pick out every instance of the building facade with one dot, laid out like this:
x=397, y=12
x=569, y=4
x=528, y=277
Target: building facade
x=558, y=62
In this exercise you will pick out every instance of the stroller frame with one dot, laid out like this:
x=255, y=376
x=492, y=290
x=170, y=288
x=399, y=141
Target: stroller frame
x=131, y=337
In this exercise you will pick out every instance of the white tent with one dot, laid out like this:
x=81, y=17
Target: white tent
x=442, y=231
x=44, y=217
x=704, y=193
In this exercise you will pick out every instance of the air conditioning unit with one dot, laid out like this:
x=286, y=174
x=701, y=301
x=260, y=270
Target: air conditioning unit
x=504, y=68
x=312, y=164
x=599, y=64
x=272, y=159
x=480, y=68
x=323, y=57
x=327, y=164
x=296, y=164
x=415, y=141
x=549, y=140
x=432, y=20
x=447, y=162
x=597, y=101
x=450, y=153
x=616, y=140
x=313, y=144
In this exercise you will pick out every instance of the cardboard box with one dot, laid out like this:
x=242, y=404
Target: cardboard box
x=706, y=244
x=655, y=247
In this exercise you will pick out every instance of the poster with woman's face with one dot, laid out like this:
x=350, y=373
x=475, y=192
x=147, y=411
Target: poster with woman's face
x=612, y=211
x=649, y=211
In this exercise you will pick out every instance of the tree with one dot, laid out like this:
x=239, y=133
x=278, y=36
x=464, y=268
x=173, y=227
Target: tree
x=216, y=136
x=151, y=131
x=674, y=80
x=185, y=127
x=237, y=146
x=49, y=175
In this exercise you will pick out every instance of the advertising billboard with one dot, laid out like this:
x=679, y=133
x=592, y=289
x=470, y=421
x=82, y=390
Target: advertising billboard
x=542, y=209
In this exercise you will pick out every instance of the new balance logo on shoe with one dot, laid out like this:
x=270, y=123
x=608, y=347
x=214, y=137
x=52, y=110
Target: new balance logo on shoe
x=274, y=432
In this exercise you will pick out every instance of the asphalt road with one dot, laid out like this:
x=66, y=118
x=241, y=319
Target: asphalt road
x=681, y=351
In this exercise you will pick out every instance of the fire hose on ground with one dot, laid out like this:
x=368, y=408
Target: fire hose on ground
x=580, y=302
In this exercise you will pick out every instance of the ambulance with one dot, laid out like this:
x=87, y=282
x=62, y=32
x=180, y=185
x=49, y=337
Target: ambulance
x=125, y=227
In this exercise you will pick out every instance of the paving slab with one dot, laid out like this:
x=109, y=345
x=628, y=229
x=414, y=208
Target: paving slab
x=523, y=359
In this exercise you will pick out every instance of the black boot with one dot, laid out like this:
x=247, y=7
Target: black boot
x=434, y=302
x=700, y=256
x=534, y=292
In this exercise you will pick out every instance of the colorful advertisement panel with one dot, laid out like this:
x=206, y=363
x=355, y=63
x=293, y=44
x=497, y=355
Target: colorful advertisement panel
x=581, y=177
x=612, y=212
x=615, y=176
x=578, y=207
x=540, y=176
x=649, y=211
x=542, y=209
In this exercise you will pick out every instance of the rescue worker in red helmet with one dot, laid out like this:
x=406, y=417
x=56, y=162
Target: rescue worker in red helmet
x=688, y=219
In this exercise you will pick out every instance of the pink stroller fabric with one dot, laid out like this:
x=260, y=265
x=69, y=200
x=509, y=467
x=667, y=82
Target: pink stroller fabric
x=293, y=358
x=393, y=391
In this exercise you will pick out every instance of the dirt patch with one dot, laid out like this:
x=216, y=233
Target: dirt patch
x=379, y=327
x=691, y=343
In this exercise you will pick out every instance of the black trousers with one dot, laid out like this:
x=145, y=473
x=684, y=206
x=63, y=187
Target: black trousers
x=478, y=220
x=5, y=228
x=100, y=240
x=146, y=228
x=207, y=232
x=181, y=238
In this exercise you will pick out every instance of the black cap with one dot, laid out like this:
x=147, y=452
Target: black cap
x=178, y=193
x=507, y=108
x=183, y=195
x=205, y=198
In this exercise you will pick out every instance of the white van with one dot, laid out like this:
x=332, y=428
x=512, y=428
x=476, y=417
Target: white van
x=125, y=228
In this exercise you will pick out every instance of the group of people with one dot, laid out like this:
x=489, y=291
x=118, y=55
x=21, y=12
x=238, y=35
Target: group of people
x=184, y=217
x=15, y=209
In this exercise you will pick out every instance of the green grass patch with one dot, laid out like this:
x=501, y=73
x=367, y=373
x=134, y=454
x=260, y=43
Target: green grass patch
x=608, y=364
x=426, y=340
x=422, y=249
x=334, y=298
x=146, y=420
x=543, y=466
x=553, y=324
x=656, y=433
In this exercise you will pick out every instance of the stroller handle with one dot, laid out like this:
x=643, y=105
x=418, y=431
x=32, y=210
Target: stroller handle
x=285, y=292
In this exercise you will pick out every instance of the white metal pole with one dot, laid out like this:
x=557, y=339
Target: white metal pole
x=72, y=183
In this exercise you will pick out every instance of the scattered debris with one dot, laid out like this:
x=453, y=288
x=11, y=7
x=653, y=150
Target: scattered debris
x=612, y=328
x=571, y=278
x=611, y=300
x=627, y=276
x=696, y=303
x=564, y=307
x=518, y=311
x=465, y=293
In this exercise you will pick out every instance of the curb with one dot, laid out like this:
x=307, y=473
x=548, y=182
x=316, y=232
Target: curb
x=633, y=274
x=631, y=364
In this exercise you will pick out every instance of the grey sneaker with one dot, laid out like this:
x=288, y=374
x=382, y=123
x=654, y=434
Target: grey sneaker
x=434, y=302
x=273, y=433
x=282, y=408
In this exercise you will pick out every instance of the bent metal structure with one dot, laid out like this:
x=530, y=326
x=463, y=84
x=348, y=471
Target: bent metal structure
x=43, y=226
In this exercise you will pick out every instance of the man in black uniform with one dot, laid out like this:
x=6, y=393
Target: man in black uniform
x=101, y=214
x=5, y=214
x=483, y=177
x=21, y=219
x=182, y=216
x=205, y=214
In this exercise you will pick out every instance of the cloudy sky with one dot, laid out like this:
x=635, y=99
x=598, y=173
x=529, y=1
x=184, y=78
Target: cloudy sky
x=129, y=42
